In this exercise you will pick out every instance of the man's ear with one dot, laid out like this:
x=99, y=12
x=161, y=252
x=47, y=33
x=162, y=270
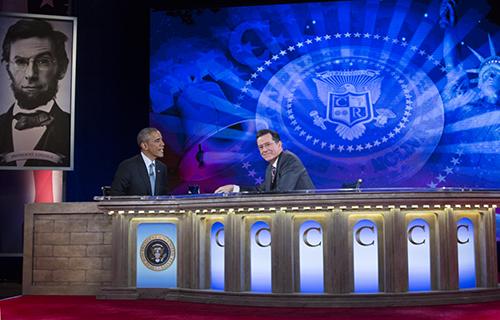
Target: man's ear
x=61, y=71
x=8, y=70
x=144, y=146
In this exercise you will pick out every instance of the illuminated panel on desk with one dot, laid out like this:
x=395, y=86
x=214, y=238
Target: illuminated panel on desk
x=365, y=253
x=217, y=256
x=419, y=258
x=260, y=257
x=156, y=255
x=311, y=257
x=466, y=256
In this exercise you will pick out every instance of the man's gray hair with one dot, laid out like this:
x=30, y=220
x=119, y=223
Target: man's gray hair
x=144, y=135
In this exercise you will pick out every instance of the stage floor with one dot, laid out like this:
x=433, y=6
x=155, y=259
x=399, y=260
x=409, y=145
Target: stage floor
x=86, y=307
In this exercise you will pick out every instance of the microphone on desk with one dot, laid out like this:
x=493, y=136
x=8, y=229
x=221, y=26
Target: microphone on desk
x=354, y=185
x=199, y=156
x=358, y=184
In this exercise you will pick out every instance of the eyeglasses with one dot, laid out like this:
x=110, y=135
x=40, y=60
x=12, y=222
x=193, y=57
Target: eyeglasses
x=265, y=145
x=41, y=63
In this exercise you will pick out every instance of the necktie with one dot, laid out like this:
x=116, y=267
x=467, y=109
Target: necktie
x=273, y=176
x=152, y=177
x=31, y=120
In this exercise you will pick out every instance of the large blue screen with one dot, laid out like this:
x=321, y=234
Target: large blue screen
x=398, y=93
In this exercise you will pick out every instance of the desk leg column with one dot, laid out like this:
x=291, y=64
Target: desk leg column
x=189, y=258
x=339, y=260
x=234, y=241
x=487, y=249
x=120, y=245
x=281, y=253
x=447, y=251
x=395, y=253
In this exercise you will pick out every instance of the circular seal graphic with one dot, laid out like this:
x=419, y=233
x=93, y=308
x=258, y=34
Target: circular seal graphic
x=157, y=252
x=378, y=117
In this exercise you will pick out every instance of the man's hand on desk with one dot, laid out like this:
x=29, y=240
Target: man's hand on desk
x=225, y=189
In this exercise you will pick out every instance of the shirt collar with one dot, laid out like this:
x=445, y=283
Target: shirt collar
x=275, y=163
x=146, y=160
x=46, y=107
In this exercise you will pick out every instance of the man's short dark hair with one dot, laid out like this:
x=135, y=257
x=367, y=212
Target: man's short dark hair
x=274, y=134
x=24, y=29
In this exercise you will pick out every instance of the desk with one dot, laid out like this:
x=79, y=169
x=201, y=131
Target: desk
x=349, y=248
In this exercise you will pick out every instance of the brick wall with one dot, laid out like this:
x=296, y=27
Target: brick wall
x=71, y=250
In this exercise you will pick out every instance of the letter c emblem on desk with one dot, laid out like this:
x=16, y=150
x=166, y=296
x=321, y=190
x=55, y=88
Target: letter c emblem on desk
x=458, y=229
x=358, y=236
x=217, y=240
x=306, y=240
x=257, y=237
x=410, y=235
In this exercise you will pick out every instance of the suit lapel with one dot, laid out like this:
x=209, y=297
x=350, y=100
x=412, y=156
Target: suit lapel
x=141, y=168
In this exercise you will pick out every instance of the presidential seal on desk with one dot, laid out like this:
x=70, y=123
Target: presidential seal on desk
x=157, y=252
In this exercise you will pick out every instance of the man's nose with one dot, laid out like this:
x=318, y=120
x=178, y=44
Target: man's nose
x=31, y=70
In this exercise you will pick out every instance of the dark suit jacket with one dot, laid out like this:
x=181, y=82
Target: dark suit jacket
x=56, y=139
x=290, y=175
x=132, y=179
